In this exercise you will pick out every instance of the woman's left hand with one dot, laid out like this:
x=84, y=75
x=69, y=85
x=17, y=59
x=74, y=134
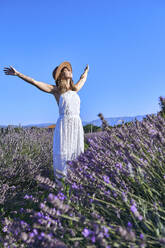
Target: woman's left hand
x=87, y=68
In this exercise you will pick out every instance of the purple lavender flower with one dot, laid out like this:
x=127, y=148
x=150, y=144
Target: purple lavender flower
x=61, y=196
x=140, y=217
x=50, y=196
x=74, y=186
x=86, y=232
x=21, y=210
x=58, y=212
x=124, y=196
x=22, y=222
x=115, y=194
x=133, y=208
x=42, y=205
x=26, y=196
x=4, y=229
x=129, y=224
x=135, y=212
x=119, y=165
x=31, y=235
x=93, y=238
x=152, y=132
x=141, y=236
x=42, y=234
x=133, y=202
x=106, y=179
x=105, y=229
x=35, y=231
x=39, y=214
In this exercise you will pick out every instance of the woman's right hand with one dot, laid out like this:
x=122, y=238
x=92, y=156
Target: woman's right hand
x=10, y=71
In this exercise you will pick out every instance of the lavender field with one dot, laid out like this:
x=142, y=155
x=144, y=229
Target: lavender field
x=114, y=195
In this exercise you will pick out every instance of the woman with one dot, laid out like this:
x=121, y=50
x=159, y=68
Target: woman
x=68, y=140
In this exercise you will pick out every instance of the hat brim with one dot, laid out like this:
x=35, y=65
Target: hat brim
x=61, y=66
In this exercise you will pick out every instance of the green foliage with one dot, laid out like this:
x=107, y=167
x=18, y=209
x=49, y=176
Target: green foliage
x=85, y=146
x=89, y=127
x=162, y=106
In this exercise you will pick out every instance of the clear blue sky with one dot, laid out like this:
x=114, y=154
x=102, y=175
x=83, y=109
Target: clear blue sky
x=122, y=41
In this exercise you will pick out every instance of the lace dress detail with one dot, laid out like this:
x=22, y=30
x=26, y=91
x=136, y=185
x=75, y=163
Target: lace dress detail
x=68, y=140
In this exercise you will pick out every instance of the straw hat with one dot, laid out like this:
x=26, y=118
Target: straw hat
x=57, y=70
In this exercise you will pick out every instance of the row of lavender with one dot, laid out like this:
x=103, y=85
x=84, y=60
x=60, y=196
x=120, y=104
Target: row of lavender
x=114, y=195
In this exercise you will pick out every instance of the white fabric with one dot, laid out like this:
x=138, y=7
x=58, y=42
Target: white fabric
x=68, y=140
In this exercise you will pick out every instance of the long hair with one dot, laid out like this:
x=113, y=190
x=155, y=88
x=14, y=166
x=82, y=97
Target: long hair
x=62, y=86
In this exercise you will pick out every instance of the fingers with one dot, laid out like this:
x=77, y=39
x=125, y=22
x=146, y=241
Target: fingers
x=7, y=73
x=87, y=67
x=6, y=67
x=7, y=70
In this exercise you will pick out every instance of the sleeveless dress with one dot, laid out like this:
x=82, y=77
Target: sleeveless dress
x=68, y=140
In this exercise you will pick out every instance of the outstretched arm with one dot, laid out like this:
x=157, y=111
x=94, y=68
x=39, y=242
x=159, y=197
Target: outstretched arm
x=40, y=85
x=82, y=79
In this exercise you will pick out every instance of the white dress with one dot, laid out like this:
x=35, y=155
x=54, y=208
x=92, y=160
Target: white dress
x=68, y=140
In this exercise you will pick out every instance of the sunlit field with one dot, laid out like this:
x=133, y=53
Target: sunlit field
x=114, y=195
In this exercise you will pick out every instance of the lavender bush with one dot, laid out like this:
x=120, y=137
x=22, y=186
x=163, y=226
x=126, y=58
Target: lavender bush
x=114, y=195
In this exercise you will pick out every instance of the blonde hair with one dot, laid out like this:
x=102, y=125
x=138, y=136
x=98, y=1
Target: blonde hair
x=62, y=86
